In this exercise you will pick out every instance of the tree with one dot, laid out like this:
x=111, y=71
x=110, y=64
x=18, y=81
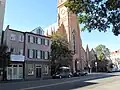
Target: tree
x=97, y=14
x=102, y=52
x=60, y=53
x=4, y=58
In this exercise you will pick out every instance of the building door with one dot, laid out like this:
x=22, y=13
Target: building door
x=15, y=72
x=20, y=72
x=75, y=65
x=9, y=73
x=38, y=71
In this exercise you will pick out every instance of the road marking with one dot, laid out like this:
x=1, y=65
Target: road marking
x=30, y=88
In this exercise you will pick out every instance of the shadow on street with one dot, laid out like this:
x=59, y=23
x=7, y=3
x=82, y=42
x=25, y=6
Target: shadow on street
x=63, y=84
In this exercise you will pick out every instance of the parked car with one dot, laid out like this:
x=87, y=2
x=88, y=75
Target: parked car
x=83, y=73
x=80, y=73
x=76, y=74
x=62, y=75
x=63, y=72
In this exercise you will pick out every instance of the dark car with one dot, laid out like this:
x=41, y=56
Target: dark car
x=83, y=73
x=80, y=73
x=62, y=75
x=76, y=74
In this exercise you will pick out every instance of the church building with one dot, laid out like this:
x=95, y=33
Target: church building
x=72, y=29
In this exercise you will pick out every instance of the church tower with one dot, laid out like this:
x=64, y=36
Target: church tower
x=2, y=11
x=71, y=24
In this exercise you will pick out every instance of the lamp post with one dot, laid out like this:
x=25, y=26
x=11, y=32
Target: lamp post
x=96, y=66
x=96, y=61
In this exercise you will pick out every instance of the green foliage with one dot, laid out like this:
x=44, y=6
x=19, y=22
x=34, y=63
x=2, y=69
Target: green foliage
x=102, y=52
x=97, y=14
x=100, y=56
x=60, y=53
x=4, y=56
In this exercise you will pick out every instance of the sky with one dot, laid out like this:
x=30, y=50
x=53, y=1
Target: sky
x=25, y=15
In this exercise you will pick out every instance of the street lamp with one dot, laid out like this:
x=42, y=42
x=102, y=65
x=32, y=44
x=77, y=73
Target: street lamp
x=96, y=66
x=96, y=61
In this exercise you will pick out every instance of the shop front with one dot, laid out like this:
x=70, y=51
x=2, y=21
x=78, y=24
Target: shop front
x=36, y=70
x=15, y=69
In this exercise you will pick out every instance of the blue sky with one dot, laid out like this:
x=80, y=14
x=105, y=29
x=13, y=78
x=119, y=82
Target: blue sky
x=25, y=15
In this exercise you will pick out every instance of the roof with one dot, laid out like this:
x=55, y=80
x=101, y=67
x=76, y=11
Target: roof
x=16, y=30
x=30, y=33
x=38, y=34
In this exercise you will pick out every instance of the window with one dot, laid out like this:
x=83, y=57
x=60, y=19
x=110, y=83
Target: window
x=12, y=50
x=34, y=53
x=14, y=71
x=21, y=38
x=14, y=65
x=30, y=69
x=36, y=40
x=21, y=52
x=39, y=41
x=74, y=42
x=43, y=42
x=38, y=54
x=41, y=54
x=20, y=66
x=28, y=38
x=46, y=55
x=46, y=42
x=30, y=53
x=13, y=36
x=31, y=39
x=45, y=69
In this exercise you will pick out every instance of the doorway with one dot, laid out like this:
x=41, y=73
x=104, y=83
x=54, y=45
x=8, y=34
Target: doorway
x=38, y=71
x=75, y=65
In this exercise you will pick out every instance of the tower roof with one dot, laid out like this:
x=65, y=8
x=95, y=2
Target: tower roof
x=87, y=48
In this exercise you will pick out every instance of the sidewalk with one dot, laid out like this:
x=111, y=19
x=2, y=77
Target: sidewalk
x=22, y=80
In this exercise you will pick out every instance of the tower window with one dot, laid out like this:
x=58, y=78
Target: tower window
x=74, y=41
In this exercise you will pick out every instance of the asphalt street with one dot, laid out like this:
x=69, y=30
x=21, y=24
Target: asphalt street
x=58, y=84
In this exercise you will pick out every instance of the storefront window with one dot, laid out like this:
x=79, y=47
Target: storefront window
x=45, y=69
x=30, y=69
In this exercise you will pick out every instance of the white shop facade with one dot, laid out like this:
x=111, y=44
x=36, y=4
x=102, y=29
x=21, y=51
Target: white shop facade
x=16, y=69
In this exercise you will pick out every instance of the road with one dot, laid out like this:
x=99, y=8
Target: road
x=88, y=82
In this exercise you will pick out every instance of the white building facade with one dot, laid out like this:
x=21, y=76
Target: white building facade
x=2, y=12
x=115, y=57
